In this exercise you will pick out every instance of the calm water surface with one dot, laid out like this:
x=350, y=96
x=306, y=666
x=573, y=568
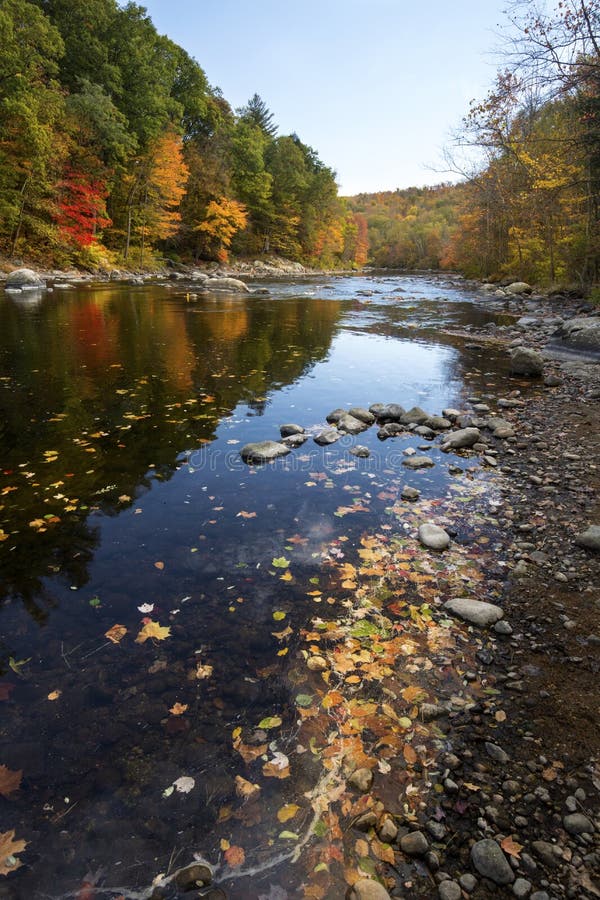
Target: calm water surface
x=123, y=499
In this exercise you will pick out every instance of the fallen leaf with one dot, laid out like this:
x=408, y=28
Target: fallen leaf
x=178, y=709
x=159, y=565
x=146, y=608
x=9, y=848
x=270, y=722
x=184, y=784
x=288, y=836
x=511, y=847
x=235, y=857
x=116, y=633
x=278, y=615
x=287, y=812
x=409, y=754
x=9, y=780
x=246, y=515
x=203, y=671
x=287, y=576
x=244, y=788
x=280, y=562
x=153, y=630
x=54, y=695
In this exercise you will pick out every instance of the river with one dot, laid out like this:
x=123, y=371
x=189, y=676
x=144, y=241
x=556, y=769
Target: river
x=156, y=591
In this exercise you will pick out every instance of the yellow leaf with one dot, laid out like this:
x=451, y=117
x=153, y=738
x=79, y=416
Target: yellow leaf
x=116, y=633
x=178, y=709
x=287, y=812
x=153, y=630
x=287, y=576
x=283, y=651
x=361, y=848
x=244, y=788
x=54, y=695
x=225, y=845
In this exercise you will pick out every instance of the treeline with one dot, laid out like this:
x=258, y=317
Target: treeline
x=114, y=146
x=530, y=206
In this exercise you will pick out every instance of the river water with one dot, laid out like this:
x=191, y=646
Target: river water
x=124, y=502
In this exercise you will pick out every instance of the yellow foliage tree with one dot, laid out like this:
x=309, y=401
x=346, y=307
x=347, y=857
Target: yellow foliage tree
x=224, y=218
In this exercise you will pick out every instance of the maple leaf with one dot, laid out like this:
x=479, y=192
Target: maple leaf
x=178, y=709
x=9, y=848
x=9, y=780
x=153, y=630
x=511, y=847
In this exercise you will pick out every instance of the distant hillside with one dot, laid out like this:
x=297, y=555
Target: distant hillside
x=413, y=228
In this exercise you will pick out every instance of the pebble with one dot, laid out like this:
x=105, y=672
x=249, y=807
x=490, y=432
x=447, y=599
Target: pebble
x=367, y=889
x=503, y=627
x=521, y=888
x=414, y=844
x=433, y=536
x=468, y=882
x=496, y=753
x=577, y=823
x=449, y=890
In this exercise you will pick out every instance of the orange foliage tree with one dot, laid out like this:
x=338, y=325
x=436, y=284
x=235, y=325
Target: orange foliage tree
x=223, y=219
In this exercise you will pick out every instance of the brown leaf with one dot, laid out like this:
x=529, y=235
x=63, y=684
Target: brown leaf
x=159, y=565
x=235, y=857
x=116, y=633
x=178, y=709
x=409, y=754
x=9, y=780
x=511, y=847
x=248, y=753
x=384, y=852
x=9, y=848
x=244, y=788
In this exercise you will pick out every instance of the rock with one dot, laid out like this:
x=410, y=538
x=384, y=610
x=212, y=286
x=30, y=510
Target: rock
x=478, y=612
x=23, y=280
x=431, y=711
x=362, y=414
x=490, y=861
x=433, y=536
x=461, y=439
x=410, y=493
x=496, y=753
x=351, y=425
x=552, y=381
x=414, y=844
x=361, y=779
x=581, y=333
x=289, y=429
x=425, y=432
x=503, y=628
x=521, y=888
x=367, y=889
x=519, y=287
x=416, y=415
x=590, y=538
x=231, y=285
x=438, y=423
x=468, y=882
x=418, y=462
x=526, y=361
x=360, y=451
x=335, y=415
x=499, y=427
x=366, y=821
x=545, y=852
x=450, y=413
x=194, y=875
x=387, y=412
x=449, y=890
x=295, y=440
x=577, y=823
x=263, y=451
x=329, y=436
x=387, y=831
x=390, y=429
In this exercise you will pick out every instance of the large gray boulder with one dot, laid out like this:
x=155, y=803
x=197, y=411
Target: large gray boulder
x=581, y=333
x=263, y=451
x=433, y=536
x=414, y=414
x=519, y=287
x=359, y=412
x=230, y=285
x=350, y=424
x=461, y=439
x=387, y=412
x=526, y=361
x=23, y=280
x=590, y=538
x=477, y=612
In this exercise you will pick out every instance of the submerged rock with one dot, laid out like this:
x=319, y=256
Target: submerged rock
x=350, y=424
x=290, y=428
x=359, y=412
x=410, y=493
x=416, y=415
x=367, y=889
x=478, y=612
x=360, y=451
x=231, y=285
x=263, y=451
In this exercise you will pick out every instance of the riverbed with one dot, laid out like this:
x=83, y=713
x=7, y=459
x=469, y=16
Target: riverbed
x=161, y=598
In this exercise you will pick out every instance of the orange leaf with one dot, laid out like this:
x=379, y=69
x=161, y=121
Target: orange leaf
x=409, y=754
x=8, y=852
x=159, y=565
x=244, y=788
x=235, y=857
x=511, y=847
x=116, y=633
x=333, y=698
x=178, y=709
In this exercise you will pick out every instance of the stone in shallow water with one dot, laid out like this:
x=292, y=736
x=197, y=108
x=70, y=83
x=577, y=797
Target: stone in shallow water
x=367, y=889
x=414, y=844
x=416, y=415
x=360, y=451
x=387, y=412
x=290, y=428
x=329, y=436
x=294, y=440
x=23, y=279
x=350, y=424
x=418, y=462
x=410, y=493
x=461, y=439
x=478, y=612
x=263, y=451
x=359, y=412
x=526, y=361
x=433, y=536
x=335, y=415
x=390, y=429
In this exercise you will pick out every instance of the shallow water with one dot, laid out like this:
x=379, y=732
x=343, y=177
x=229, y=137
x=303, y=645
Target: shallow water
x=123, y=499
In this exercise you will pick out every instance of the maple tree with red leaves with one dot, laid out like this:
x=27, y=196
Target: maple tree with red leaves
x=81, y=211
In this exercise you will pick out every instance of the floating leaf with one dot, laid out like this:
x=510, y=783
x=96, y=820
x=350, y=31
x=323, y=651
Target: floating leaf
x=270, y=722
x=235, y=857
x=287, y=812
x=9, y=780
x=159, y=565
x=9, y=849
x=116, y=633
x=304, y=700
x=184, y=784
x=203, y=672
x=54, y=695
x=287, y=576
x=17, y=664
x=278, y=615
x=178, y=709
x=409, y=754
x=280, y=562
x=244, y=788
x=288, y=836
x=246, y=515
x=153, y=630
x=146, y=608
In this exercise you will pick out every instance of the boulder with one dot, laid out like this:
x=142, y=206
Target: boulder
x=231, y=285
x=581, y=333
x=414, y=415
x=351, y=425
x=390, y=429
x=290, y=428
x=477, y=612
x=360, y=451
x=461, y=439
x=263, y=451
x=294, y=440
x=490, y=861
x=359, y=412
x=519, y=287
x=438, y=423
x=418, y=462
x=328, y=436
x=410, y=493
x=590, y=538
x=24, y=280
x=387, y=412
x=367, y=889
x=526, y=361
x=335, y=415
x=433, y=536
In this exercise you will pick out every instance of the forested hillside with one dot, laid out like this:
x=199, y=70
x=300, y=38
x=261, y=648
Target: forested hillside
x=529, y=207
x=115, y=147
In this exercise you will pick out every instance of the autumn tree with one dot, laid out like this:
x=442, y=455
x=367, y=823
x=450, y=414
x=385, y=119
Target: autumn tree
x=224, y=218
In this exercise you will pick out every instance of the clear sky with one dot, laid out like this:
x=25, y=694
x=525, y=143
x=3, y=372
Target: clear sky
x=374, y=86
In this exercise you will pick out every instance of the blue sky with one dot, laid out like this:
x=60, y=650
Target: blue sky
x=374, y=86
